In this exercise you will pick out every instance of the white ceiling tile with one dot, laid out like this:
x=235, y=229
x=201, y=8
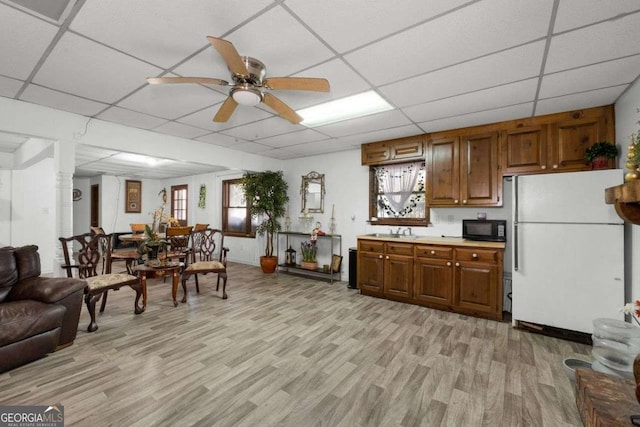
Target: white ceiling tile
x=454, y=38
x=220, y=139
x=61, y=101
x=130, y=118
x=9, y=87
x=241, y=116
x=171, y=101
x=281, y=153
x=132, y=26
x=480, y=118
x=251, y=147
x=500, y=68
x=611, y=73
x=380, y=135
x=500, y=96
x=594, y=98
x=293, y=138
x=281, y=42
x=178, y=129
x=576, y=13
x=263, y=129
x=387, y=119
x=605, y=41
x=81, y=67
x=321, y=147
x=336, y=21
x=24, y=40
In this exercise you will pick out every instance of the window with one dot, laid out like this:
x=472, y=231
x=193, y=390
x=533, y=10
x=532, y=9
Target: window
x=397, y=195
x=236, y=218
x=179, y=199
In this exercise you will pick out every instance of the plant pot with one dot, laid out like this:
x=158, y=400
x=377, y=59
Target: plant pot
x=268, y=264
x=600, y=162
x=152, y=251
x=309, y=265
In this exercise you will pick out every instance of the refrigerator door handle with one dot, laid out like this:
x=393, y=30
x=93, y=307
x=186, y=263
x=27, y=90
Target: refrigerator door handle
x=515, y=223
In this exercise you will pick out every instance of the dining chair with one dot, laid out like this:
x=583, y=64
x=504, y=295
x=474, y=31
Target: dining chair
x=209, y=257
x=129, y=256
x=178, y=242
x=93, y=247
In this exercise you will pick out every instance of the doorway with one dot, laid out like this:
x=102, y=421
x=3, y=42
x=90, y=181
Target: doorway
x=95, y=206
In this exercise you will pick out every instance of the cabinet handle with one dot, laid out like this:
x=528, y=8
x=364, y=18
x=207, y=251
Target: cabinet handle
x=380, y=256
x=433, y=252
x=387, y=256
x=464, y=202
x=457, y=264
x=555, y=166
x=448, y=264
x=474, y=255
x=543, y=167
x=455, y=201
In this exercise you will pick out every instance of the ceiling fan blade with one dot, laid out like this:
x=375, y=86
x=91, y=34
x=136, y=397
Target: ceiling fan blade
x=281, y=108
x=298, y=83
x=227, y=109
x=200, y=80
x=230, y=55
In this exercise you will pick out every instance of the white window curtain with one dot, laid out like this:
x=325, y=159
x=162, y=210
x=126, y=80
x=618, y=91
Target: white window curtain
x=398, y=182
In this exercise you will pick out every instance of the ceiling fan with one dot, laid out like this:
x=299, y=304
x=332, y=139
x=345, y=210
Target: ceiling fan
x=249, y=83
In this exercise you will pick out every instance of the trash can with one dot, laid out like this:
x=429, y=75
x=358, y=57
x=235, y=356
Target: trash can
x=353, y=268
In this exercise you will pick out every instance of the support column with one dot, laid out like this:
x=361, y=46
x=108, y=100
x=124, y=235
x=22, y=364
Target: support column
x=65, y=165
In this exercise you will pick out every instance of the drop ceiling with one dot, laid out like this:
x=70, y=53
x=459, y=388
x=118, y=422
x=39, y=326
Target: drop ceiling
x=442, y=64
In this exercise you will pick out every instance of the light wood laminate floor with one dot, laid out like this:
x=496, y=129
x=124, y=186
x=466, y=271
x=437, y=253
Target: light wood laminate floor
x=284, y=350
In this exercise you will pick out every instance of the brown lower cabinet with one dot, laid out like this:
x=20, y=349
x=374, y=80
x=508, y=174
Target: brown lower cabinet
x=463, y=279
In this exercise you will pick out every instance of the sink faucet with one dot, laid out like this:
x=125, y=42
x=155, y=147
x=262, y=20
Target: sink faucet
x=407, y=230
x=398, y=230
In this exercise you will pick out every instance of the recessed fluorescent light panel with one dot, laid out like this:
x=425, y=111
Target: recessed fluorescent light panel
x=139, y=158
x=350, y=107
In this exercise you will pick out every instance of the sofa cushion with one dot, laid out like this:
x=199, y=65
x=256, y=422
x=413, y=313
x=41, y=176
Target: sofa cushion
x=23, y=319
x=8, y=271
x=28, y=261
x=46, y=289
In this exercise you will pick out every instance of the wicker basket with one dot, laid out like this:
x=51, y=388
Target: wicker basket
x=309, y=265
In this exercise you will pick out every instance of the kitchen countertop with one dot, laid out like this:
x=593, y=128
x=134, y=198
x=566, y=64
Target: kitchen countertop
x=435, y=240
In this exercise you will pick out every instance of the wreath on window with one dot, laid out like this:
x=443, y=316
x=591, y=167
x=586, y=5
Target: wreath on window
x=412, y=201
x=203, y=196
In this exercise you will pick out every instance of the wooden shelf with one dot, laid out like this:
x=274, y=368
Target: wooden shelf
x=626, y=198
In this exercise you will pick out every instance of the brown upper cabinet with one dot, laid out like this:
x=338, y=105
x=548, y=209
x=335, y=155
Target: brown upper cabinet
x=396, y=150
x=462, y=170
x=555, y=142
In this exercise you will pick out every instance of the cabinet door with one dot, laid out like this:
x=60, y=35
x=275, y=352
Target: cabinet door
x=480, y=179
x=476, y=287
x=571, y=139
x=408, y=148
x=524, y=150
x=375, y=153
x=434, y=281
x=398, y=275
x=443, y=172
x=370, y=272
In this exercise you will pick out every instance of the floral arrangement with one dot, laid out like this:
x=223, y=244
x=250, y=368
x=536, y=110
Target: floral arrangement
x=158, y=217
x=309, y=251
x=632, y=309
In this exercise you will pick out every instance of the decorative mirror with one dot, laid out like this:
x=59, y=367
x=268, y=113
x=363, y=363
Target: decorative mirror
x=312, y=191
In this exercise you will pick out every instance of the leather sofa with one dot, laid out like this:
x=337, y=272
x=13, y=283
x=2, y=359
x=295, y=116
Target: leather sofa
x=37, y=314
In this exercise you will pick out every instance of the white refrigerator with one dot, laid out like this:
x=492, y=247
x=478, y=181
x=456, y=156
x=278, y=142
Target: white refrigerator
x=568, y=250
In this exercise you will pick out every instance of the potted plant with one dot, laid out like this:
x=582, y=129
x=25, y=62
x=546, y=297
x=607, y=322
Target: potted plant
x=309, y=251
x=267, y=193
x=600, y=153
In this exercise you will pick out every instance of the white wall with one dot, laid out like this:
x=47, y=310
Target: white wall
x=5, y=207
x=627, y=118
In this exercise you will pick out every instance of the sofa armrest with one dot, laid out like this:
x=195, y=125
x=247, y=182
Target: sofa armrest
x=46, y=289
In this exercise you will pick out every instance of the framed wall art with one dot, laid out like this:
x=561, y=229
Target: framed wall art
x=133, y=196
x=336, y=261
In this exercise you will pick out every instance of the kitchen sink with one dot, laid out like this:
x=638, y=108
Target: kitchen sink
x=392, y=235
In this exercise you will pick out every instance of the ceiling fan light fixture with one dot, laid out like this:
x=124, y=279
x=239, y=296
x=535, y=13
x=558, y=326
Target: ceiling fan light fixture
x=246, y=96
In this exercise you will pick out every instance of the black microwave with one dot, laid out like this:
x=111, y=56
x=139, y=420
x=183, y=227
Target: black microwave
x=491, y=230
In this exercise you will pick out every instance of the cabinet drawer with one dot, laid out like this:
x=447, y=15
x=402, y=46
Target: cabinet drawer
x=400, y=249
x=437, y=252
x=480, y=255
x=370, y=246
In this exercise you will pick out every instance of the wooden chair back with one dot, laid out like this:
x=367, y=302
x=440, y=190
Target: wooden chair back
x=178, y=238
x=208, y=245
x=199, y=227
x=94, y=249
x=97, y=230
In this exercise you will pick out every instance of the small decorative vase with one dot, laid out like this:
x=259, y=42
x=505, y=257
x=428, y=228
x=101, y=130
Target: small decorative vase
x=615, y=344
x=600, y=162
x=152, y=252
x=309, y=265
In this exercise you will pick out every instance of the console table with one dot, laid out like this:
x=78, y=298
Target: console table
x=293, y=239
